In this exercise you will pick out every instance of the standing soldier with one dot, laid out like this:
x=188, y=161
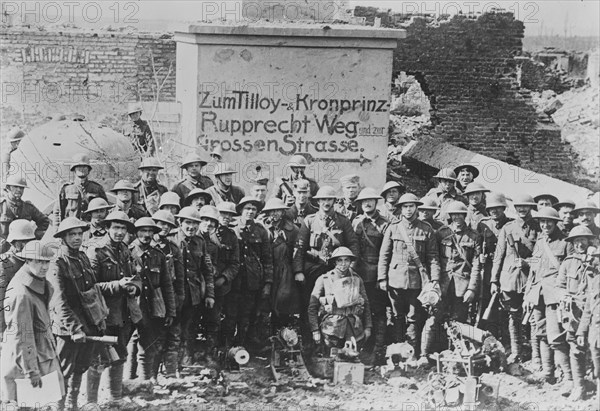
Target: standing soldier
x=586, y=211
x=459, y=248
x=259, y=189
x=489, y=231
x=475, y=193
x=565, y=211
x=139, y=131
x=284, y=186
x=445, y=193
x=148, y=188
x=509, y=271
x=124, y=192
x=255, y=278
x=217, y=153
x=170, y=202
x=465, y=175
x=28, y=347
x=198, y=198
x=391, y=192
x=427, y=210
x=198, y=280
x=97, y=211
x=302, y=206
x=14, y=137
x=12, y=207
x=73, y=280
x=575, y=273
x=157, y=298
x=370, y=227
x=228, y=265
x=347, y=205
x=111, y=260
x=170, y=352
x=319, y=235
x=224, y=190
x=541, y=297
x=192, y=164
x=283, y=235
x=19, y=233
x=545, y=200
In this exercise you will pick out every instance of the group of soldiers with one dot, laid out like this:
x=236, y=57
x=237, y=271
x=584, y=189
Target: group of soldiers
x=179, y=275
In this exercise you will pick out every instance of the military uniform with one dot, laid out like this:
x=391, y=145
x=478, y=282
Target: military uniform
x=255, y=272
x=475, y=214
x=370, y=231
x=444, y=200
x=590, y=321
x=11, y=210
x=565, y=228
x=9, y=265
x=151, y=267
x=79, y=193
x=435, y=224
x=391, y=212
x=211, y=317
x=349, y=209
x=183, y=187
x=233, y=195
x=297, y=214
x=148, y=195
x=140, y=136
x=95, y=233
x=282, y=192
x=402, y=271
x=227, y=267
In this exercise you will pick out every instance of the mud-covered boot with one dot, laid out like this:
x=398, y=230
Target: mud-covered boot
x=427, y=341
x=578, y=370
x=547, y=356
x=73, y=387
x=131, y=364
x=515, y=332
x=115, y=376
x=399, y=329
x=379, y=337
x=92, y=384
x=561, y=358
x=170, y=361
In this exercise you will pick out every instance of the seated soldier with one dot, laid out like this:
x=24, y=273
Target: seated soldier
x=339, y=308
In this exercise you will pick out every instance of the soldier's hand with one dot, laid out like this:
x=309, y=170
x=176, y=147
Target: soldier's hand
x=220, y=281
x=494, y=288
x=168, y=321
x=36, y=380
x=382, y=285
x=78, y=337
x=367, y=333
x=131, y=290
x=210, y=302
x=469, y=296
x=299, y=277
x=317, y=336
x=581, y=341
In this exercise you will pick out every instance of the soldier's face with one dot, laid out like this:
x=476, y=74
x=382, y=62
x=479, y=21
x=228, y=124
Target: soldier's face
x=301, y=197
x=350, y=191
x=392, y=195
x=458, y=218
x=249, y=212
x=523, y=210
x=368, y=206
x=465, y=177
x=586, y=217
x=165, y=228
x=475, y=198
x=547, y=225
x=426, y=214
x=226, y=179
x=198, y=202
x=225, y=218
x=124, y=195
x=446, y=185
x=18, y=245
x=98, y=216
x=145, y=235
x=171, y=209
x=14, y=192
x=496, y=212
x=149, y=175
x=297, y=170
x=343, y=263
x=544, y=202
x=39, y=268
x=189, y=227
x=259, y=192
x=408, y=210
x=135, y=116
x=581, y=244
x=207, y=225
x=566, y=214
x=276, y=215
x=82, y=171
x=117, y=232
x=73, y=238
x=194, y=169
x=326, y=204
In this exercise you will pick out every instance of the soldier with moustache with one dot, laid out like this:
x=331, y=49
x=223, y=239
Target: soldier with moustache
x=302, y=206
x=445, y=193
x=347, y=205
x=148, y=188
x=475, y=194
x=586, y=212
x=193, y=165
x=565, y=209
x=224, y=189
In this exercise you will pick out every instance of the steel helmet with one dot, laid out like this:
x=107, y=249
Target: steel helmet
x=325, y=192
x=224, y=168
x=446, y=174
x=96, y=204
x=429, y=203
x=197, y=192
x=70, y=223
x=193, y=158
x=493, y=200
x=368, y=193
x=469, y=167
x=123, y=185
x=165, y=217
x=247, y=200
x=150, y=162
x=146, y=222
x=227, y=207
x=16, y=181
x=217, y=151
x=80, y=159
x=15, y=134
x=20, y=230
x=547, y=213
x=36, y=250
x=274, y=204
x=342, y=252
x=118, y=216
x=189, y=213
x=579, y=231
x=209, y=211
x=134, y=108
x=298, y=161
x=564, y=203
x=524, y=200
x=475, y=187
x=456, y=207
x=586, y=205
x=408, y=198
x=552, y=198
x=169, y=198
x=389, y=185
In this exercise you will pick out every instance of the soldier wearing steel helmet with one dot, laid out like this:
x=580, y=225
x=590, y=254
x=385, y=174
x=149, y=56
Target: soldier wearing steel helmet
x=14, y=137
x=224, y=189
x=445, y=192
x=124, y=191
x=96, y=213
x=74, y=197
x=170, y=350
x=509, y=270
x=71, y=276
x=302, y=206
x=13, y=207
x=148, y=188
x=193, y=164
x=391, y=192
x=576, y=272
x=138, y=131
x=170, y=202
x=565, y=209
x=284, y=186
x=427, y=210
x=475, y=194
x=586, y=212
x=20, y=232
x=465, y=175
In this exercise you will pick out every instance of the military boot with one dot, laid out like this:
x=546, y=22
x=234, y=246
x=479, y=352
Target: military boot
x=399, y=329
x=131, y=364
x=561, y=358
x=515, y=332
x=92, y=383
x=115, y=375
x=73, y=387
x=578, y=369
x=547, y=356
x=536, y=357
x=379, y=337
x=170, y=361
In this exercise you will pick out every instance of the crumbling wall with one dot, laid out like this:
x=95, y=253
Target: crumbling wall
x=91, y=73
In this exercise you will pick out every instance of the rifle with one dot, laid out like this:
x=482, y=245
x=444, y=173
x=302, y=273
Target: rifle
x=482, y=259
x=286, y=192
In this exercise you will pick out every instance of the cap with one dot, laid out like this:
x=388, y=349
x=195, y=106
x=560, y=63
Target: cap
x=15, y=134
x=209, y=211
x=298, y=161
x=524, y=200
x=469, y=167
x=96, y=204
x=150, y=162
x=564, y=203
x=552, y=198
x=134, y=108
x=493, y=200
x=36, y=250
x=349, y=179
x=146, y=222
x=456, y=207
x=342, y=252
x=261, y=181
x=475, y=187
x=408, y=198
x=547, y=213
x=80, y=159
x=446, y=174
x=20, y=230
x=189, y=213
x=584, y=205
x=224, y=168
x=70, y=223
x=197, y=192
x=579, y=231
x=16, y=181
x=274, y=204
x=165, y=217
x=368, y=193
x=118, y=216
x=169, y=198
x=325, y=192
x=429, y=203
x=247, y=200
x=302, y=185
x=389, y=185
x=227, y=207
x=193, y=158
x=123, y=185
